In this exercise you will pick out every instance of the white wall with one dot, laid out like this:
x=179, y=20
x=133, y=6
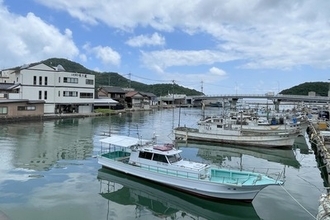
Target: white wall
x=85, y=109
x=29, y=78
x=49, y=108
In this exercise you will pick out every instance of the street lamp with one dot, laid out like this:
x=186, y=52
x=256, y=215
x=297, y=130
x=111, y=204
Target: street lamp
x=329, y=96
x=329, y=89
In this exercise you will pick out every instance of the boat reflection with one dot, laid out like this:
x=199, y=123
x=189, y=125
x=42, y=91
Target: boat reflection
x=218, y=153
x=301, y=142
x=165, y=202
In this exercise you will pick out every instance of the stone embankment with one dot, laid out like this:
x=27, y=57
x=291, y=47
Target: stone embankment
x=322, y=154
x=46, y=117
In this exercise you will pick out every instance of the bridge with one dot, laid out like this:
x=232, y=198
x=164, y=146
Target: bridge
x=287, y=98
x=276, y=99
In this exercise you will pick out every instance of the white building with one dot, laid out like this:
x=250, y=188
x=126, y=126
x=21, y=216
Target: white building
x=62, y=91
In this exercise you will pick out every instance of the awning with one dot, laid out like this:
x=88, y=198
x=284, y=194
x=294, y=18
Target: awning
x=105, y=102
x=123, y=141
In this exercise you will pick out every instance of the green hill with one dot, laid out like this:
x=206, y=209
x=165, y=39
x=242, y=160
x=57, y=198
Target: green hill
x=320, y=88
x=115, y=79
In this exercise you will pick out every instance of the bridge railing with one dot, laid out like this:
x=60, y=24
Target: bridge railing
x=267, y=96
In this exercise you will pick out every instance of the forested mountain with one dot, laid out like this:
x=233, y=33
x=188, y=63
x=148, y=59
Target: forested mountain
x=115, y=79
x=320, y=88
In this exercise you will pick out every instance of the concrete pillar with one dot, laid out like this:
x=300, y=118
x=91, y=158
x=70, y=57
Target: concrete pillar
x=277, y=105
x=233, y=103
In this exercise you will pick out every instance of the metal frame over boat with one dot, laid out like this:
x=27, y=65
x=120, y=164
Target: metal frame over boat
x=163, y=164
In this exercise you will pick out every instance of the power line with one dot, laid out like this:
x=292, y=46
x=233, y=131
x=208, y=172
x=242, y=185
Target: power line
x=151, y=79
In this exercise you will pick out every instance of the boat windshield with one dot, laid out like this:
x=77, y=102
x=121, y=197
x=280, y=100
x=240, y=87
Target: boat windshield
x=174, y=158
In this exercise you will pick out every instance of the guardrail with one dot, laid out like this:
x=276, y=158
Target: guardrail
x=265, y=96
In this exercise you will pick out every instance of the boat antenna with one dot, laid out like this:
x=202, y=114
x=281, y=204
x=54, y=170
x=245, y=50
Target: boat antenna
x=203, y=110
x=137, y=131
x=154, y=138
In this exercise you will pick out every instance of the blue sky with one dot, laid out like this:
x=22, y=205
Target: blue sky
x=224, y=46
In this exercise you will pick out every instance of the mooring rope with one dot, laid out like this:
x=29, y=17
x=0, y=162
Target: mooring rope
x=298, y=203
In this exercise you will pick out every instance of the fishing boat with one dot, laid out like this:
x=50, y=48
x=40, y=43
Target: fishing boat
x=163, y=164
x=220, y=130
x=259, y=124
x=167, y=203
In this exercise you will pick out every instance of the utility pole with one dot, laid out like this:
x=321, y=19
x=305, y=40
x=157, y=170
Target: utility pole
x=129, y=81
x=202, y=86
x=173, y=91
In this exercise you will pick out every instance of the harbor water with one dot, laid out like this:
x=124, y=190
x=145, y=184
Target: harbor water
x=49, y=170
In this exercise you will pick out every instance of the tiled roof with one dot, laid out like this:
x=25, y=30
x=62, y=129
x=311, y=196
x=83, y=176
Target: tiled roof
x=148, y=94
x=131, y=93
x=21, y=100
x=7, y=86
x=112, y=89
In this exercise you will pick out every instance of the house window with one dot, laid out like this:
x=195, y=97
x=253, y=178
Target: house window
x=4, y=110
x=59, y=94
x=59, y=79
x=45, y=95
x=46, y=80
x=40, y=95
x=70, y=80
x=89, y=82
x=86, y=95
x=26, y=108
x=70, y=94
x=40, y=80
x=34, y=80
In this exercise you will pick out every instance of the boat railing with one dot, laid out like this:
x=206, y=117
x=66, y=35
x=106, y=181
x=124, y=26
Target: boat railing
x=200, y=174
x=275, y=173
x=233, y=176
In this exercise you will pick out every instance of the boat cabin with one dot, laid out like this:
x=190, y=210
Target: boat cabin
x=165, y=153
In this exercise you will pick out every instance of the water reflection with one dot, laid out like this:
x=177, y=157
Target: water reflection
x=164, y=202
x=39, y=145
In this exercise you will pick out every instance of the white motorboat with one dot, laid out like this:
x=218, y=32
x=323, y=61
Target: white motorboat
x=164, y=165
x=167, y=202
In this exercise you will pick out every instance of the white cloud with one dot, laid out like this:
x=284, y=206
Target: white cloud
x=83, y=57
x=106, y=54
x=264, y=34
x=217, y=71
x=29, y=39
x=146, y=40
x=167, y=58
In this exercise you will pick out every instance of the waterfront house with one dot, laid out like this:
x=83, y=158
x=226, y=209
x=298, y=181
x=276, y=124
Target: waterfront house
x=137, y=100
x=153, y=100
x=113, y=92
x=173, y=99
x=61, y=91
x=18, y=108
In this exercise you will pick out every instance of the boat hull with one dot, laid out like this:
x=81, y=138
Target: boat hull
x=193, y=186
x=148, y=194
x=255, y=138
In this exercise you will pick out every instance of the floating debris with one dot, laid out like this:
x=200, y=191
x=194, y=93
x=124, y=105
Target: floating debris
x=36, y=175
